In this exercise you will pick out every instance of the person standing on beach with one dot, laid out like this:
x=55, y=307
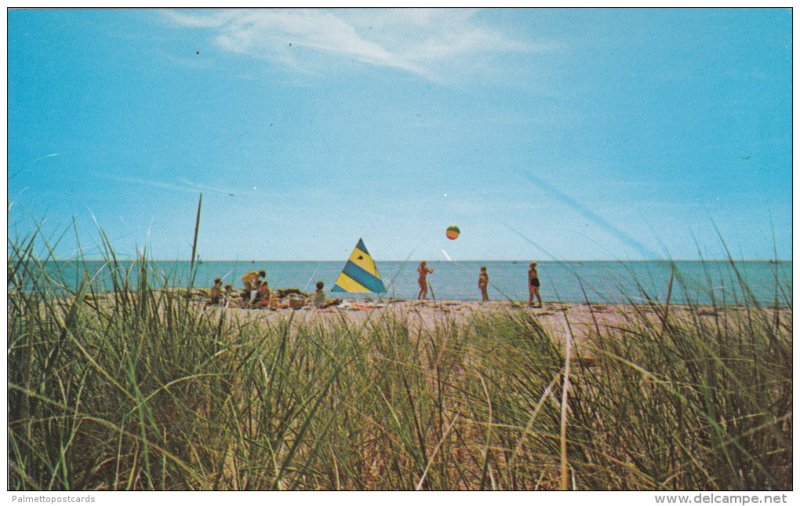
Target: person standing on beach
x=533, y=285
x=483, y=283
x=251, y=278
x=423, y=271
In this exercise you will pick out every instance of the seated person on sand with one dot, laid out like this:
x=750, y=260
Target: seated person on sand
x=263, y=292
x=249, y=280
x=216, y=292
x=228, y=294
x=317, y=297
x=423, y=270
x=483, y=283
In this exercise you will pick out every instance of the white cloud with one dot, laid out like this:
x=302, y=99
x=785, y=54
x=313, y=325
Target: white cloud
x=426, y=43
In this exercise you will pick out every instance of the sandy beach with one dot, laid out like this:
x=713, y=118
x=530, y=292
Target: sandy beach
x=559, y=319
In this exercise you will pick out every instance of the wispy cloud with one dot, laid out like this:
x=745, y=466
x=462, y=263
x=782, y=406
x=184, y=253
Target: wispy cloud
x=592, y=216
x=207, y=188
x=51, y=155
x=150, y=183
x=426, y=43
x=29, y=165
x=183, y=185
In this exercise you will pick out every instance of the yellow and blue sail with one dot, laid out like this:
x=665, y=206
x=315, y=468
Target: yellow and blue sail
x=360, y=273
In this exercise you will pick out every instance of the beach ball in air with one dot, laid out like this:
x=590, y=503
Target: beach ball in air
x=452, y=232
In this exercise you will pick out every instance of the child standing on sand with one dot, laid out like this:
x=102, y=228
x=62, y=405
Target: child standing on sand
x=483, y=283
x=423, y=271
x=533, y=285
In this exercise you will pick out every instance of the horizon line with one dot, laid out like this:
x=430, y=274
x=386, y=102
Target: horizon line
x=446, y=261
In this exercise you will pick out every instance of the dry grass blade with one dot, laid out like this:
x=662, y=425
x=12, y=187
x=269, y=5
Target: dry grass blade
x=564, y=398
x=435, y=451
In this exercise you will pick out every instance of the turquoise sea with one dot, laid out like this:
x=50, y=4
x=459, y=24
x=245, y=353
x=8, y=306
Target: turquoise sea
x=701, y=282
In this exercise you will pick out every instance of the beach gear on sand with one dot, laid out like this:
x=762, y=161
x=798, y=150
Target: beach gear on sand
x=296, y=302
x=350, y=305
x=360, y=273
x=453, y=232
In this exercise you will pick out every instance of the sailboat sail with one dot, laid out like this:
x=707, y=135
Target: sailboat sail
x=360, y=273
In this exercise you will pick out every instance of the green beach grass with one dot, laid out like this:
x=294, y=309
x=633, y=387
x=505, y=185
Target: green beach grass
x=144, y=389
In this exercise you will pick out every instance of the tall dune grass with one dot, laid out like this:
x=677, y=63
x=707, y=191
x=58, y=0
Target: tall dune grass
x=144, y=389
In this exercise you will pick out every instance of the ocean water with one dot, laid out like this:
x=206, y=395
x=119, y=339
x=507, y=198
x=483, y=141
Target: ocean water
x=595, y=281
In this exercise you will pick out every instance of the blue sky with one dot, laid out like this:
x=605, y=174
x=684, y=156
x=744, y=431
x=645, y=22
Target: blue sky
x=542, y=133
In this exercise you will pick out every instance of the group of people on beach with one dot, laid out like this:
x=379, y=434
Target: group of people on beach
x=483, y=283
x=257, y=293
x=255, y=289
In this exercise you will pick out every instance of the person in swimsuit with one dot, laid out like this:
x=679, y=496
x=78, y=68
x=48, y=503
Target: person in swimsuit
x=251, y=278
x=216, y=292
x=423, y=271
x=228, y=294
x=483, y=284
x=533, y=285
x=263, y=292
x=317, y=297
